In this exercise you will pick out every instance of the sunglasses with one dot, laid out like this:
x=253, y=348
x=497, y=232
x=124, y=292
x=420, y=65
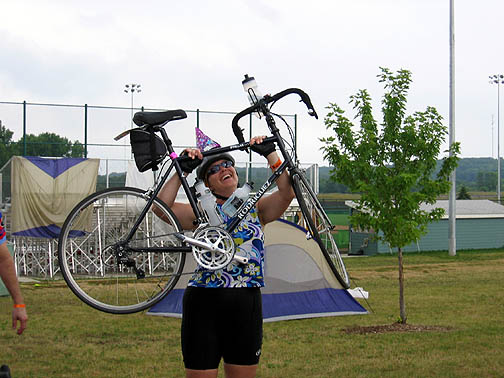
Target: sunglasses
x=216, y=168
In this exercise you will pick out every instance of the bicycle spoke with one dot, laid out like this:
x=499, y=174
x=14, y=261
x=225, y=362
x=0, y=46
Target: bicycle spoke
x=91, y=266
x=316, y=221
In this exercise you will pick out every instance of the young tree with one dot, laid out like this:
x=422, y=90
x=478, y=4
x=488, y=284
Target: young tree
x=463, y=194
x=392, y=164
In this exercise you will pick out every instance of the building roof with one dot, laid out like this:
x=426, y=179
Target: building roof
x=470, y=208
x=464, y=209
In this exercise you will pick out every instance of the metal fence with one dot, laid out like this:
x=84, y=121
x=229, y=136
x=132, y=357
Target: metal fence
x=37, y=257
x=95, y=126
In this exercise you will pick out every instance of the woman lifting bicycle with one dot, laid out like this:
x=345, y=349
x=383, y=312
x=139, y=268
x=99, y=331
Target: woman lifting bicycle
x=133, y=244
x=222, y=313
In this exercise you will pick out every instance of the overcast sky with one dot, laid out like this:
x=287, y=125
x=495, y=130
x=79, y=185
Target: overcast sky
x=193, y=55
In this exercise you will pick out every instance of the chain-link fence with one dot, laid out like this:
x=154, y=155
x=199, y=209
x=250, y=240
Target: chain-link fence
x=36, y=256
x=94, y=127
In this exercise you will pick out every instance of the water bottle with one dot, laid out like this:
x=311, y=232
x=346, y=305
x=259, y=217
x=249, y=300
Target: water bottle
x=207, y=204
x=250, y=87
x=237, y=199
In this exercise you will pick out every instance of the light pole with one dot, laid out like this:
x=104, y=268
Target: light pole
x=132, y=88
x=452, y=203
x=498, y=79
x=493, y=141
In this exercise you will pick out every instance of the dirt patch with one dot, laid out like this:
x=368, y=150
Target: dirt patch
x=394, y=327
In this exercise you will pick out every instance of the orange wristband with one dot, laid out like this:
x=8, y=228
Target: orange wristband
x=19, y=305
x=276, y=165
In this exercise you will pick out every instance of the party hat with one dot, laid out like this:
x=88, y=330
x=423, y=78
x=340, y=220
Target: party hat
x=203, y=142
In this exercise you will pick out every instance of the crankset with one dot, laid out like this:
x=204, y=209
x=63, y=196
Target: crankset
x=213, y=247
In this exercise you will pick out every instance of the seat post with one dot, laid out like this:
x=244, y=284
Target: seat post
x=167, y=140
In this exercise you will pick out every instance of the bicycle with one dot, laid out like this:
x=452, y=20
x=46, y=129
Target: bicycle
x=121, y=250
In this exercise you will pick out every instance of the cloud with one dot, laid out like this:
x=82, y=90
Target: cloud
x=194, y=54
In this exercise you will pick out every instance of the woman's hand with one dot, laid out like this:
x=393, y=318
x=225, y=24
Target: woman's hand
x=193, y=153
x=196, y=159
x=264, y=149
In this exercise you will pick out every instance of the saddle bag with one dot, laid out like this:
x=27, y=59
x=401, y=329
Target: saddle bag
x=148, y=149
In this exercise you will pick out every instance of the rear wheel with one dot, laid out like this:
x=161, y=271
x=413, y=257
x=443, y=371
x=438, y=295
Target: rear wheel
x=112, y=276
x=315, y=220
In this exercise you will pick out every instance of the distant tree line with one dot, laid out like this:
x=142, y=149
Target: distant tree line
x=45, y=144
x=474, y=174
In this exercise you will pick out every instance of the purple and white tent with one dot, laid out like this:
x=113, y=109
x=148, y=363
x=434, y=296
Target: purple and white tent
x=44, y=190
x=299, y=282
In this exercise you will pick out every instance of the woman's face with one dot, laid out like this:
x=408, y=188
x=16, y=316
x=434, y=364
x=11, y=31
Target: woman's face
x=223, y=182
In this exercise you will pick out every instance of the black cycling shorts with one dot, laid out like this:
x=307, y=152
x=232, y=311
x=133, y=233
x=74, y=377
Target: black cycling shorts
x=221, y=323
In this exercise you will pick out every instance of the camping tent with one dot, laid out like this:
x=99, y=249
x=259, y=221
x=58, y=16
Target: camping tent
x=299, y=281
x=44, y=190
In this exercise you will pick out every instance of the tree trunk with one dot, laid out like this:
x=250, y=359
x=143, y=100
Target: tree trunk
x=402, y=306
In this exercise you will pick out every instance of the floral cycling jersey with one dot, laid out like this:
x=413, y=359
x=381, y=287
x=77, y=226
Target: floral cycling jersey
x=249, y=239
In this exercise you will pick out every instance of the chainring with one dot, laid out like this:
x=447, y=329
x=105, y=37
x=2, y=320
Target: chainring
x=223, y=248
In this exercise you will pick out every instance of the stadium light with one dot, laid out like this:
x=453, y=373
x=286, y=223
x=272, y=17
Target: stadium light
x=132, y=88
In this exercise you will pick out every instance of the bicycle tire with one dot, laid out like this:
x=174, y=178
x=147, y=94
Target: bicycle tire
x=90, y=266
x=316, y=221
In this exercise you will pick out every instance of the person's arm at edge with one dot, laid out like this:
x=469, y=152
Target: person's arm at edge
x=9, y=278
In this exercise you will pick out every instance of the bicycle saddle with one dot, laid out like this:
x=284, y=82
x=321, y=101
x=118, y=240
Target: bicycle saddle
x=158, y=118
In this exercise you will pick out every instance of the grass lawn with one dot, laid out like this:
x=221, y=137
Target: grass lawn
x=462, y=294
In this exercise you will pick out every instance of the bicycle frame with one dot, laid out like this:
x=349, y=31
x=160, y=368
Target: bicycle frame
x=161, y=264
x=262, y=107
x=242, y=212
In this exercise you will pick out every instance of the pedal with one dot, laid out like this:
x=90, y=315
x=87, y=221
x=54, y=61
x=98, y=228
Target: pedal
x=240, y=259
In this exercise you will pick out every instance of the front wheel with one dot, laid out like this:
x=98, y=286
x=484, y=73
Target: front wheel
x=112, y=276
x=316, y=221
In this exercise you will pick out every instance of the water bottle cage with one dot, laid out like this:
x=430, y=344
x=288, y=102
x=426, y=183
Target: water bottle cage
x=237, y=202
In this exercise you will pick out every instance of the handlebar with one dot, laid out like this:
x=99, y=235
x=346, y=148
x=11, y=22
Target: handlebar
x=216, y=151
x=261, y=104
